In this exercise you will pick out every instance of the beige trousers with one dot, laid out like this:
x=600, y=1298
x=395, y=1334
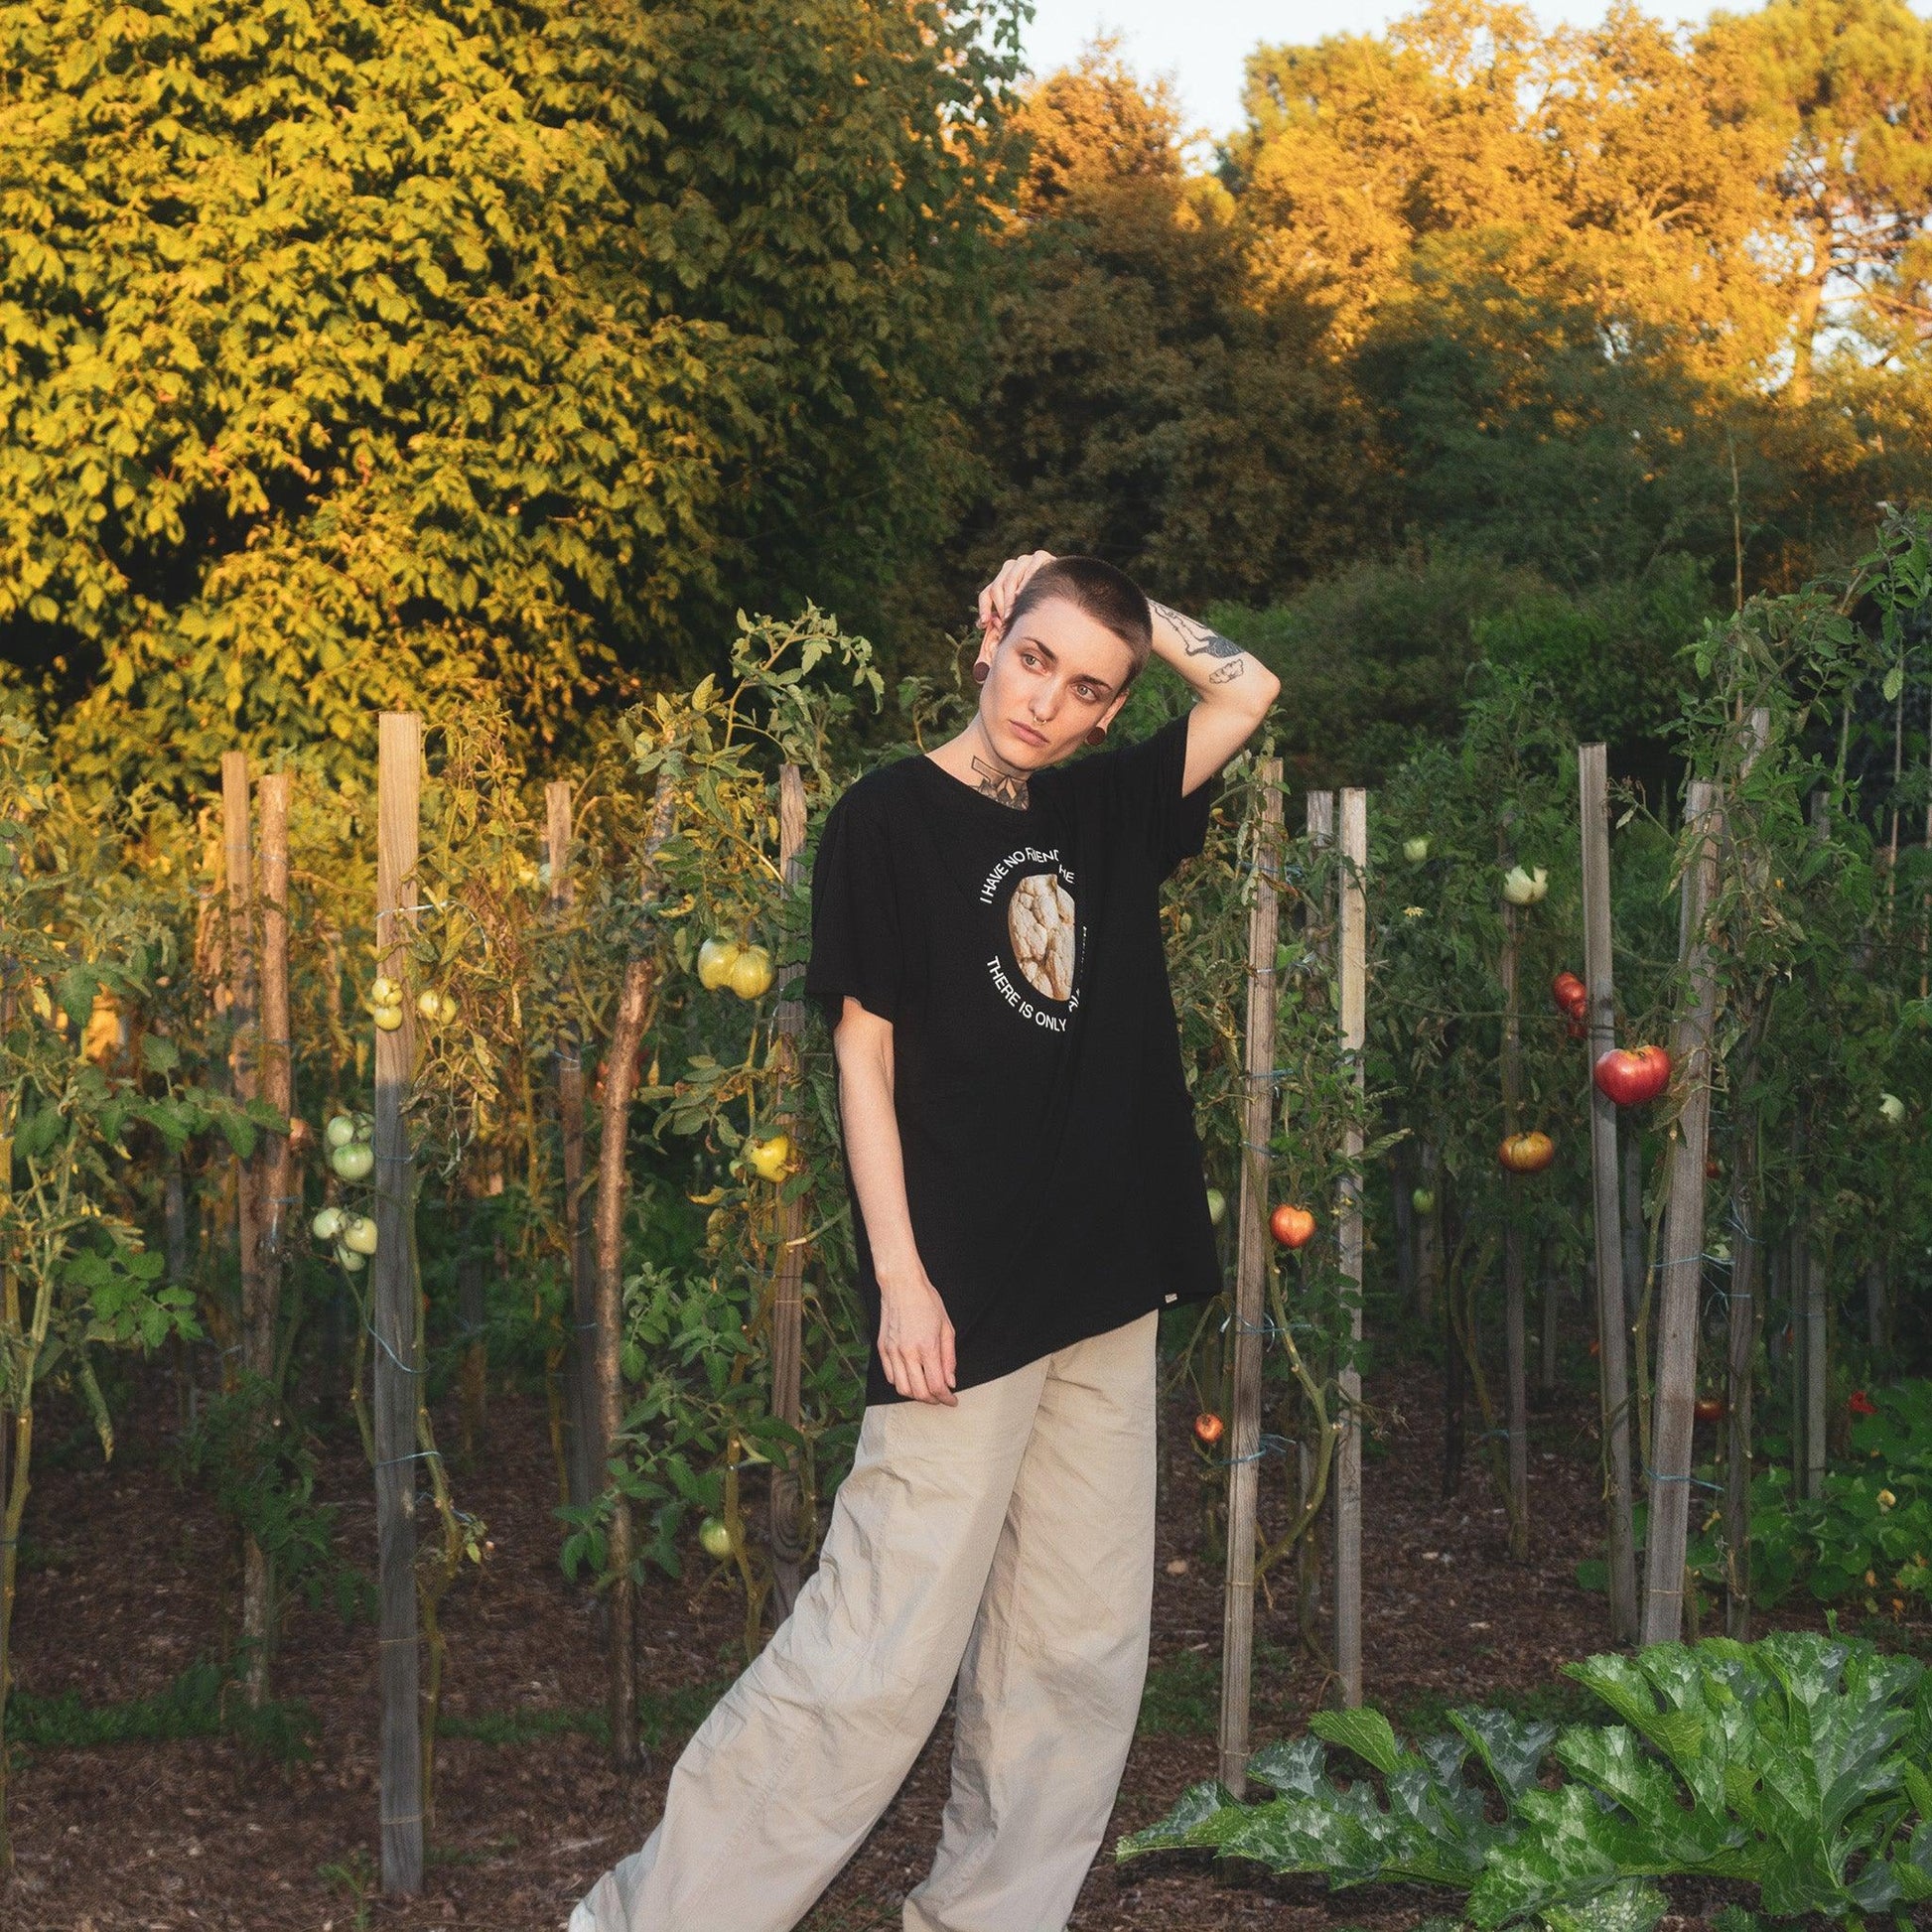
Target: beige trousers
x=1009, y=1540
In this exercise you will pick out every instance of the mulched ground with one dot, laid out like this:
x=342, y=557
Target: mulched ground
x=129, y=1583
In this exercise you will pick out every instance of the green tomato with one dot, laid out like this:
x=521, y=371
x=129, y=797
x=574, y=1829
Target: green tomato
x=1218, y=1205
x=715, y=1536
x=715, y=959
x=359, y=1235
x=339, y=1131
x=750, y=973
x=1415, y=850
x=327, y=1224
x=1423, y=1200
x=355, y=1162
x=353, y=1263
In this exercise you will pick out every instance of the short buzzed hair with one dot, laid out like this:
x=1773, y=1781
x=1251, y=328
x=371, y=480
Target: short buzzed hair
x=1108, y=595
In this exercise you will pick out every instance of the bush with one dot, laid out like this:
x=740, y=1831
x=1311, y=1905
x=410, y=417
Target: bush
x=1796, y=1764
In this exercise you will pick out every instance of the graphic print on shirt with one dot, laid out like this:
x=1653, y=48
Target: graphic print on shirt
x=1039, y=938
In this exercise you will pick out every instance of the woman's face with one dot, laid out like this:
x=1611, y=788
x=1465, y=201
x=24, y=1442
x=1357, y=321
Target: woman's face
x=1054, y=675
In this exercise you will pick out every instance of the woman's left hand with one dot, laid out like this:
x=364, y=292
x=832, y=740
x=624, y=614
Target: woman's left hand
x=997, y=598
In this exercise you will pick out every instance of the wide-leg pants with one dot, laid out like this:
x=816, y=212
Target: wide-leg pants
x=1009, y=1540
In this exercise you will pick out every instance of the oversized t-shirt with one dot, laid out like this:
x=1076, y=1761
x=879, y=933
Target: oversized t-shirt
x=1052, y=1170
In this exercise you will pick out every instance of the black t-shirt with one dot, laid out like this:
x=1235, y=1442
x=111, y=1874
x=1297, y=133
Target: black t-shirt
x=1052, y=1171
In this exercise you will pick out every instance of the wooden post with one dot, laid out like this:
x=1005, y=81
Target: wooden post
x=1741, y=1357
x=587, y=1453
x=244, y=1056
x=1545, y=1368
x=272, y=1199
x=1813, y=1354
x=244, y=1069
x=392, y=1297
x=1680, y=1269
x=1515, y=1349
x=1613, y=1310
x=1744, y=1319
x=1353, y=964
x=1250, y=1277
x=787, y=1303
x=1318, y=930
x=613, y=1188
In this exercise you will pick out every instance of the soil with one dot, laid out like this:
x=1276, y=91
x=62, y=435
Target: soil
x=130, y=1579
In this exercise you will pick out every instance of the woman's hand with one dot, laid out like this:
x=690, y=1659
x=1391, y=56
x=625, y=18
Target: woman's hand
x=915, y=1341
x=997, y=598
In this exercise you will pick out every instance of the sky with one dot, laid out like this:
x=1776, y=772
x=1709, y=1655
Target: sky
x=1204, y=42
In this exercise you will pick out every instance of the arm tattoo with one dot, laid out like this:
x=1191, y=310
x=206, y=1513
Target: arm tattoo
x=1227, y=674
x=1003, y=785
x=1194, y=636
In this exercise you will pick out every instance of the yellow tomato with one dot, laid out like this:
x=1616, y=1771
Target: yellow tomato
x=771, y=1156
x=750, y=973
x=714, y=960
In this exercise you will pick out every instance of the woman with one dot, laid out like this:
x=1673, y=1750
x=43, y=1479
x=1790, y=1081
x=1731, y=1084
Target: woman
x=1020, y=1149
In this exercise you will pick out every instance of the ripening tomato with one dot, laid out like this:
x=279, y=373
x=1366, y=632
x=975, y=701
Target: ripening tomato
x=1290, y=1226
x=1527, y=1153
x=1208, y=1426
x=1633, y=1076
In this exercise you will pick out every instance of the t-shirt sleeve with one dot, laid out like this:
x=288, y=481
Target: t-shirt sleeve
x=856, y=941
x=1147, y=797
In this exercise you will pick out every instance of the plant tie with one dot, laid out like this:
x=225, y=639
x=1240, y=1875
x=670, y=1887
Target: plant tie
x=390, y=1352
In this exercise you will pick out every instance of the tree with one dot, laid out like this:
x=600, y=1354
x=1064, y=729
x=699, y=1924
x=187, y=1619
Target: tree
x=356, y=352
x=1143, y=406
x=1842, y=91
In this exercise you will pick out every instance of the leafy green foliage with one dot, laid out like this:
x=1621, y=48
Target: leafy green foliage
x=364, y=354
x=204, y=1700
x=1795, y=1764
x=263, y=1472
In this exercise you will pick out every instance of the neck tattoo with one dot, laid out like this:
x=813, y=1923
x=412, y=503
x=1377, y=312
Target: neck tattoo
x=1006, y=786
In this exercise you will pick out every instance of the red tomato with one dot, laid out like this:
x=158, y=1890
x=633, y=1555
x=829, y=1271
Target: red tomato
x=1709, y=1407
x=1713, y=1172
x=1208, y=1426
x=1630, y=1078
x=1290, y=1226
x=1569, y=992
x=1527, y=1153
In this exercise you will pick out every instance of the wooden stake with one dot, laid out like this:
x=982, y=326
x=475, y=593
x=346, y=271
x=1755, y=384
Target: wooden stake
x=587, y=1451
x=613, y=1189
x=1613, y=1310
x=788, y=1307
x=244, y=1048
x=1745, y=1321
x=1681, y=1267
x=1516, y=1394
x=1348, y=1447
x=392, y=1295
x=1814, y=1354
x=273, y=1196
x=1319, y=931
x=1250, y=1274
